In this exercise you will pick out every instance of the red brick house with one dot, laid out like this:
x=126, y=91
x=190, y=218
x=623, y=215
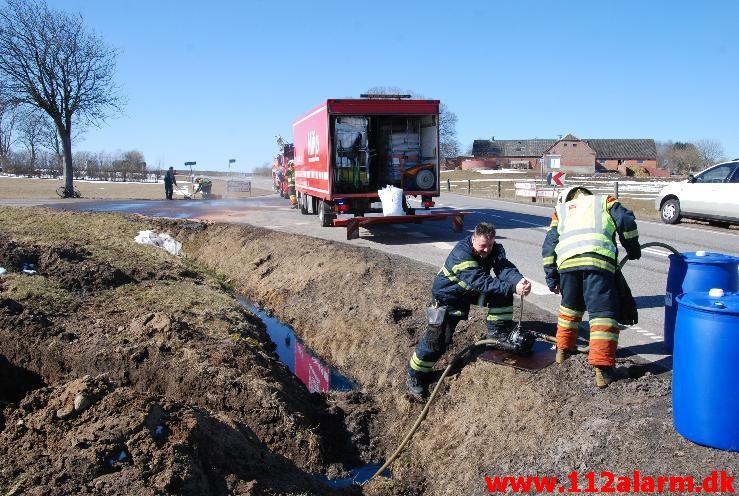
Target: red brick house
x=626, y=156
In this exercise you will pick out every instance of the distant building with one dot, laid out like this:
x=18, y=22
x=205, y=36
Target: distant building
x=626, y=156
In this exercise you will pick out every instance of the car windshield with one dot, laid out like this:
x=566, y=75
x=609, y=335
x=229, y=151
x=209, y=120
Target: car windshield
x=716, y=174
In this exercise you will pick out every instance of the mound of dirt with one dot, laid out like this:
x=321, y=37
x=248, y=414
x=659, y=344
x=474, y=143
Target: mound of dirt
x=89, y=436
x=164, y=327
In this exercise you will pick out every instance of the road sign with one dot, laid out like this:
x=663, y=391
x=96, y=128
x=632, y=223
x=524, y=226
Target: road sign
x=556, y=178
x=238, y=186
x=190, y=163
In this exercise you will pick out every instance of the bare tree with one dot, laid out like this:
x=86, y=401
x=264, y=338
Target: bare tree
x=8, y=125
x=32, y=127
x=710, y=152
x=448, y=145
x=50, y=61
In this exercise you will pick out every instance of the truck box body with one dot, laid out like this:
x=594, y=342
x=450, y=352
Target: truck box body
x=346, y=150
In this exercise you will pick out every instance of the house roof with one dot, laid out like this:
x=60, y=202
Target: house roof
x=511, y=148
x=642, y=149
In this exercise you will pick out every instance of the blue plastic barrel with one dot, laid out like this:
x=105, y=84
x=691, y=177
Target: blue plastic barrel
x=705, y=391
x=696, y=271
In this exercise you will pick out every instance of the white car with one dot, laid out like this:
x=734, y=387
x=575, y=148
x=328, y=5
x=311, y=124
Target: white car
x=711, y=195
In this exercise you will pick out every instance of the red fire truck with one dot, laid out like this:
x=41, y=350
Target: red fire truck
x=346, y=150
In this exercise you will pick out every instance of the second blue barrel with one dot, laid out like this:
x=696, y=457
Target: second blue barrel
x=696, y=271
x=705, y=391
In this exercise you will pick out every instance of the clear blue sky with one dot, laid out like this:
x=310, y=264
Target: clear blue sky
x=209, y=81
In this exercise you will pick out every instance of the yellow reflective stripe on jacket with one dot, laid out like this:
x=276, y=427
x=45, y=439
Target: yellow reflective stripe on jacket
x=631, y=234
x=548, y=260
x=464, y=265
x=585, y=226
x=454, y=278
x=419, y=365
x=588, y=262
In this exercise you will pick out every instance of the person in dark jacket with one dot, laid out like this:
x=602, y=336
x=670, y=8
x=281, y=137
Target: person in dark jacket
x=169, y=180
x=580, y=259
x=463, y=280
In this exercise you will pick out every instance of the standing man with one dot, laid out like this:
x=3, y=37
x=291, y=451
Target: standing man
x=463, y=280
x=291, y=184
x=169, y=180
x=580, y=259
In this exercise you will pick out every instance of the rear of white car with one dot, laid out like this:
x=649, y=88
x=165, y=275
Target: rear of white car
x=711, y=195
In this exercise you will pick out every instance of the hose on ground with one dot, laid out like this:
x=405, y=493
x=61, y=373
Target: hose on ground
x=424, y=412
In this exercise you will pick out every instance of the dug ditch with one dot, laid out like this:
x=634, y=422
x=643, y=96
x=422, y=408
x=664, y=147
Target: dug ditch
x=164, y=342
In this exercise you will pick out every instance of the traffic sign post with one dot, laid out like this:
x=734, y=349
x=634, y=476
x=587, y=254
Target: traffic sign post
x=556, y=178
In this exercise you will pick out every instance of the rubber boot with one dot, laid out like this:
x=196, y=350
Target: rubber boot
x=562, y=355
x=604, y=375
x=416, y=388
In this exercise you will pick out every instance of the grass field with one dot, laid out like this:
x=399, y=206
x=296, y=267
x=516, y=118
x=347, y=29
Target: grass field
x=13, y=188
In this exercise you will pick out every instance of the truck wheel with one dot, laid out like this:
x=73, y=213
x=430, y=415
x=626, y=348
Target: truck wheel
x=303, y=202
x=325, y=215
x=670, y=211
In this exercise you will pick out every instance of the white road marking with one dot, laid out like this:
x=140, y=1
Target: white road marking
x=301, y=223
x=539, y=289
x=442, y=245
x=654, y=251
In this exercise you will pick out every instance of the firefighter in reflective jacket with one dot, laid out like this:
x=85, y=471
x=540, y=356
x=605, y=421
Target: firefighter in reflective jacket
x=463, y=280
x=291, y=184
x=580, y=258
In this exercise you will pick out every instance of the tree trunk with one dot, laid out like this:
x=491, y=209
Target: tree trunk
x=66, y=137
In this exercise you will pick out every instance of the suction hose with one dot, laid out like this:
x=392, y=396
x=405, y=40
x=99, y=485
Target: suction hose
x=425, y=411
x=647, y=245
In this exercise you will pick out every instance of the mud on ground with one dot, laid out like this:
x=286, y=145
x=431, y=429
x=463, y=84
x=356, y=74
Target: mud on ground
x=144, y=340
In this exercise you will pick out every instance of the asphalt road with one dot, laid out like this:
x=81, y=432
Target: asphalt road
x=521, y=230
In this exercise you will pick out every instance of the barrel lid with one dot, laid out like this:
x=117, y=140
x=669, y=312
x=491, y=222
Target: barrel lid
x=702, y=300
x=707, y=257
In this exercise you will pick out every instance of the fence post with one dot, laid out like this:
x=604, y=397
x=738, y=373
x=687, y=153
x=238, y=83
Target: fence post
x=498, y=189
x=469, y=186
x=615, y=189
x=448, y=185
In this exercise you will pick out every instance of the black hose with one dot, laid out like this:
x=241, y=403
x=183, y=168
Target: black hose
x=647, y=245
x=424, y=412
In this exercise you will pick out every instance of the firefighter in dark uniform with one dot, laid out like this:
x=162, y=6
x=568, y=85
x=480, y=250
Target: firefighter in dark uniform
x=291, y=184
x=580, y=258
x=463, y=280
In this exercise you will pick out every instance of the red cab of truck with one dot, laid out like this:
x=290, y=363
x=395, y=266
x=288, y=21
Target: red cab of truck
x=346, y=150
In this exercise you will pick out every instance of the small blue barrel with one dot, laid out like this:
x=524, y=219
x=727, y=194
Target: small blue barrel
x=705, y=391
x=696, y=271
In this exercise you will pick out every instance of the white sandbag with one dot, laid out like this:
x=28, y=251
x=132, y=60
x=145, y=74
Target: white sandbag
x=392, y=200
x=163, y=241
x=2, y=271
x=171, y=245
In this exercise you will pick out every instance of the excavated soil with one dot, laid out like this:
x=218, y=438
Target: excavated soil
x=126, y=370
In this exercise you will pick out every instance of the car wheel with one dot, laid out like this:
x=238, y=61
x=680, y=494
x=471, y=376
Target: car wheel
x=670, y=211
